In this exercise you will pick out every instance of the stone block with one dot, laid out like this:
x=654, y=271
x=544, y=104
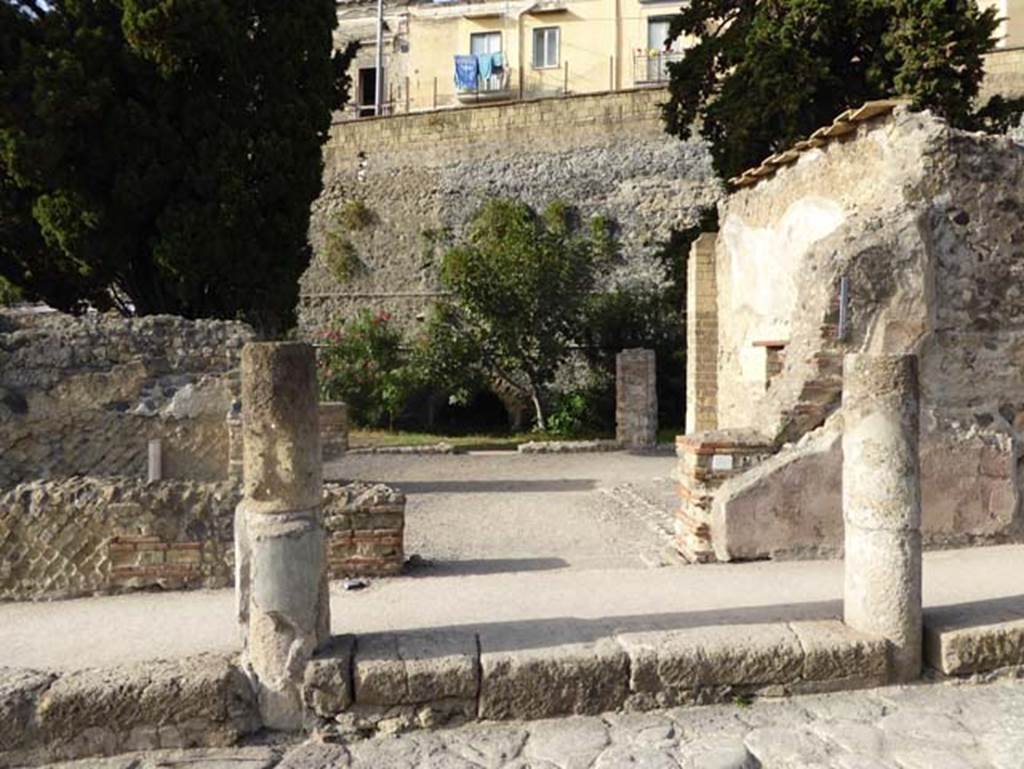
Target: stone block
x=967, y=639
x=523, y=680
x=415, y=667
x=19, y=690
x=838, y=657
x=670, y=667
x=194, y=702
x=327, y=683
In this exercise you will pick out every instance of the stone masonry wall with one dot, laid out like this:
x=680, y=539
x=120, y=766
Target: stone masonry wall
x=922, y=223
x=418, y=176
x=82, y=396
x=84, y=536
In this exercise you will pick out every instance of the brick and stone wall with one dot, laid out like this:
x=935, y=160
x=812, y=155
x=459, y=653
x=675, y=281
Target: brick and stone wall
x=421, y=175
x=910, y=231
x=636, y=399
x=83, y=396
x=365, y=529
x=87, y=535
x=81, y=536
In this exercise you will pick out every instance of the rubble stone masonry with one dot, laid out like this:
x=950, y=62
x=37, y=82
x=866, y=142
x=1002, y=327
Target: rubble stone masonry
x=83, y=396
x=418, y=178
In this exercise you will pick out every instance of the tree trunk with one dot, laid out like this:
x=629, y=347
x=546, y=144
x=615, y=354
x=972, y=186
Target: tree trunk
x=538, y=409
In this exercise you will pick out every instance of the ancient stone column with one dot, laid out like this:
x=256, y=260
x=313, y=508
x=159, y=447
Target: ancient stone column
x=281, y=577
x=882, y=504
x=636, y=399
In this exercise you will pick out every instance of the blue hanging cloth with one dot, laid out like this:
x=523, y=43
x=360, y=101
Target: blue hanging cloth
x=465, y=72
x=497, y=63
x=483, y=62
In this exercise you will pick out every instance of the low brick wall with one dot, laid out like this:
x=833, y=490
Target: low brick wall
x=365, y=528
x=706, y=461
x=89, y=536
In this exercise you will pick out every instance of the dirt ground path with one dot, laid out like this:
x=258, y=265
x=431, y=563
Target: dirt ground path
x=491, y=512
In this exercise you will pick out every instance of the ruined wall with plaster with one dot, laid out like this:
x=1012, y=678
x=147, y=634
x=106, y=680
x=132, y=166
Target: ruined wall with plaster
x=421, y=175
x=82, y=396
x=925, y=224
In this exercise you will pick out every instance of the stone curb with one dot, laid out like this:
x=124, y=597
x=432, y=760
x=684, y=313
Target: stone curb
x=400, y=681
x=432, y=448
x=962, y=641
x=203, y=701
x=568, y=447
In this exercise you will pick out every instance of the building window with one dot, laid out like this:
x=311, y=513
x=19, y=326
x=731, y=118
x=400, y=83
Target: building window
x=657, y=32
x=545, y=47
x=484, y=42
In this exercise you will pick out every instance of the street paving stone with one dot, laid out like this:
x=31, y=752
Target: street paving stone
x=925, y=726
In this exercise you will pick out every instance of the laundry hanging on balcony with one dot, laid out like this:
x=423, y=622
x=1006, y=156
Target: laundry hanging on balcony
x=466, y=69
x=489, y=64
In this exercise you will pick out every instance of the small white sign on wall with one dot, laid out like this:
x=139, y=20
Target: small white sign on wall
x=721, y=461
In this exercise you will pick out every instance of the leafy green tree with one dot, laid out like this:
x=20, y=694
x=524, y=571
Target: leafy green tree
x=162, y=155
x=766, y=73
x=520, y=283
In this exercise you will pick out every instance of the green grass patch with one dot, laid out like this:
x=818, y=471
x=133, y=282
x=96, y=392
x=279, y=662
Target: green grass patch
x=361, y=438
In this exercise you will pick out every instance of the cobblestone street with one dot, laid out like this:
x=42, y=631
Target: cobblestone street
x=926, y=726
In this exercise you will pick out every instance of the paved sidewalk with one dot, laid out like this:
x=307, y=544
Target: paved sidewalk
x=532, y=606
x=927, y=726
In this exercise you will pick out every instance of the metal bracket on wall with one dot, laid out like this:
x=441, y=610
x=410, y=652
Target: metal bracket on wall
x=842, y=329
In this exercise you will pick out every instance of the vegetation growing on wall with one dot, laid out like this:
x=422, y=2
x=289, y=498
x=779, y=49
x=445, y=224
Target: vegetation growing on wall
x=341, y=257
x=767, y=73
x=355, y=215
x=162, y=155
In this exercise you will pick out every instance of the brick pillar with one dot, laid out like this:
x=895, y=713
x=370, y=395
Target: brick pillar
x=882, y=505
x=706, y=461
x=636, y=399
x=701, y=336
x=234, y=424
x=280, y=550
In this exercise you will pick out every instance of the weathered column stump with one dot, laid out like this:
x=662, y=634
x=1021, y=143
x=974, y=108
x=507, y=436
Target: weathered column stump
x=333, y=430
x=882, y=505
x=636, y=399
x=280, y=555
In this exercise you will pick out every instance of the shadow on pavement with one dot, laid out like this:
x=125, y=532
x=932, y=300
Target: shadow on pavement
x=477, y=566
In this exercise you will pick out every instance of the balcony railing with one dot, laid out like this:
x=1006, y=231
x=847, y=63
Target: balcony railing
x=497, y=87
x=652, y=67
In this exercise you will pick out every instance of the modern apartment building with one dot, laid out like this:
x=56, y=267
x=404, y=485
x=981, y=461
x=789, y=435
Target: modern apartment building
x=448, y=53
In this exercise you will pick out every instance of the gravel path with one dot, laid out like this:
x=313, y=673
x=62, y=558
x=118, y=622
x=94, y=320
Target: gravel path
x=927, y=726
x=501, y=511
